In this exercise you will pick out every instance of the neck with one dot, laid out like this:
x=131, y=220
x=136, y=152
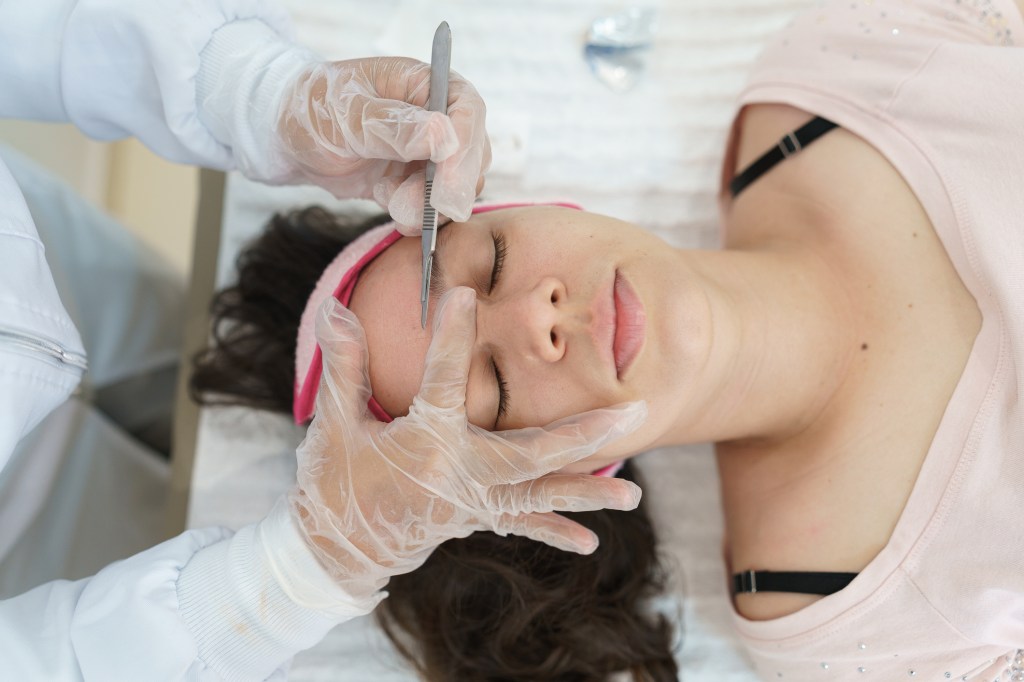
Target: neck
x=783, y=340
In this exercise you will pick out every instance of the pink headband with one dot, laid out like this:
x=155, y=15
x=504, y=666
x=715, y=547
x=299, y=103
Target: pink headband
x=339, y=280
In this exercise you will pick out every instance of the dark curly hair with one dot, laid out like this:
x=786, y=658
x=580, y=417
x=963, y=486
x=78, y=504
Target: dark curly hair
x=482, y=608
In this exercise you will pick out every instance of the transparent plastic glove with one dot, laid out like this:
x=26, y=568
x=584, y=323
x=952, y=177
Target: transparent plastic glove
x=359, y=129
x=375, y=499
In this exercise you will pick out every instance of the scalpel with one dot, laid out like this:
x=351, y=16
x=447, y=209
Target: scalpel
x=440, y=63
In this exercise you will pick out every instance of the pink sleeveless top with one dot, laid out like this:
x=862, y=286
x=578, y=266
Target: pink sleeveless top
x=938, y=88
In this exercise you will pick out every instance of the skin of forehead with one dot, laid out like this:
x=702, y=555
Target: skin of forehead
x=386, y=300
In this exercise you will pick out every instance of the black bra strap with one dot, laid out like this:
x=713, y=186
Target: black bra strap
x=804, y=582
x=787, y=146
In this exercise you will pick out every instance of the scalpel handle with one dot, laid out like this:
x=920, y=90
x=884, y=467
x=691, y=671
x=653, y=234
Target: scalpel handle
x=440, y=65
x=437, y=100
x=437, y=97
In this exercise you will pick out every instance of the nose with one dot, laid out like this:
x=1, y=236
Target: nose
x=529, y=323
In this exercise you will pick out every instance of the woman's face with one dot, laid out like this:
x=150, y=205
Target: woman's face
x=575, y=311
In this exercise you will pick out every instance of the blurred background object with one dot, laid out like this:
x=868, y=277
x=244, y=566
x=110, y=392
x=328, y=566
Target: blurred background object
x=618, y=45
x=154, y=198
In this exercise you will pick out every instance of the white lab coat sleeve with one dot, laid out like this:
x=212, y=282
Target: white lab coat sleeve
x=122, y=620
x=118, y=68
x=243, y=76
x=35, y=329
x=255, y=602
x=202, y=606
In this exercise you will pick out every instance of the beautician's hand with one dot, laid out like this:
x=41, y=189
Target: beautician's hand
x=375, y=499
x=359, y=129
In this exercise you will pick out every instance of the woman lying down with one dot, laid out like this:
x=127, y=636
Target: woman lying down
x=854, y=351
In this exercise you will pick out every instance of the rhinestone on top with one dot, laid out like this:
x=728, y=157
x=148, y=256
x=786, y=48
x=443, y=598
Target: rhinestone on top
x=987, y=16
x=1015, y=673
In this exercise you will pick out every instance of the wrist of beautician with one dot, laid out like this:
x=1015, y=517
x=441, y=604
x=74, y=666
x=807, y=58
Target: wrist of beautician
x=358, y=128
x=374, y=499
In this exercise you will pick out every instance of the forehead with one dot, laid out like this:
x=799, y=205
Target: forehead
x=386, y=300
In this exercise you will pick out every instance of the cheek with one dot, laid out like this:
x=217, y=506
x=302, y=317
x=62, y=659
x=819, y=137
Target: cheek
x=545, y=399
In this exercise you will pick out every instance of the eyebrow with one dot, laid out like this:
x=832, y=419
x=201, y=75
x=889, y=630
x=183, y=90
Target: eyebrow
x=437, y=279
x=437, y=287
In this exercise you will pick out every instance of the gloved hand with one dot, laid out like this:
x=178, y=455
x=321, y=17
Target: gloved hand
x=374, y=499
x=359, y=129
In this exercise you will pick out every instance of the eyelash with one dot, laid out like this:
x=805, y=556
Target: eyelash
x=503, y=397
x=500, y=249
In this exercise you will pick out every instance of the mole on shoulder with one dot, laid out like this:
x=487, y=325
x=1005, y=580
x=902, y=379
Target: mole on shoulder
x=863, y=346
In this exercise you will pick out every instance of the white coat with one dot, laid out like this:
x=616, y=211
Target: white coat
x=202, y=605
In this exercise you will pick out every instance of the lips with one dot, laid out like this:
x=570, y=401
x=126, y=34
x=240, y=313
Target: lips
x=630, y=325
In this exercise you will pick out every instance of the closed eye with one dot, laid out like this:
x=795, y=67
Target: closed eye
x=500, y=249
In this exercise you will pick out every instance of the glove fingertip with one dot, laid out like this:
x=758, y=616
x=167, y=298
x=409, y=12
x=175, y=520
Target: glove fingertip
x=631, y=417
x=459, y=207
x=609, y=424
x=383, y=190
x=577, y=538
x=637, y=494
x=580, y=545
x=334, y=318
x=405, y=214
x=589, y=546
x=459, y=302
x=444, y=141
x=591, y=550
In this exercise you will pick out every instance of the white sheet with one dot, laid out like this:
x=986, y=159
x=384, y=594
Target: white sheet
x=650, y=155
